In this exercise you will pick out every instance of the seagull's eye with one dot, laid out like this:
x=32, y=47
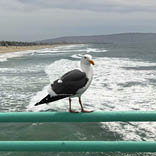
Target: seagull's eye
x=85, y=57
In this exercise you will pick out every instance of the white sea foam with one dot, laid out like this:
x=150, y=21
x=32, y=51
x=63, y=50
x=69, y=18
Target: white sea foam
x=88, y=50
x=61, y=49
x=36, y=98
x=54, y=71
x=6, y=56
x=95, y=50
x=77, y=56
x=115, y=90
x=3, y=59
x=68, y=47
x=85, y=49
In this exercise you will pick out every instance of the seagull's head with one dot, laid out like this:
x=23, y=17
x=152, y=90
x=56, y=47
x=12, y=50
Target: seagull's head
x=87, y=60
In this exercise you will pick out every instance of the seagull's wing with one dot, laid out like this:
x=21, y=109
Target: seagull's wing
x=66, y=86
x=70, y=82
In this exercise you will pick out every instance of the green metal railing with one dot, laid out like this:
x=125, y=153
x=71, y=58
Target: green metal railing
x=77, y=117
x=78, y=146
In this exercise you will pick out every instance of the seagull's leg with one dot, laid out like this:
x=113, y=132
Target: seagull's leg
x=70, y=110
x=82, y=109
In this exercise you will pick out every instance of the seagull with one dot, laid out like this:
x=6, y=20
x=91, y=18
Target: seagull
x=72, y=84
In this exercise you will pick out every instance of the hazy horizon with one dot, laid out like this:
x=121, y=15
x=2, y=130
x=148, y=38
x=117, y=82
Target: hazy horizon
x=25, y=20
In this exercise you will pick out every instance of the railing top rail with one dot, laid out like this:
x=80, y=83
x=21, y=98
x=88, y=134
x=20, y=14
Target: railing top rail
x=78, y=146
x=123, y=116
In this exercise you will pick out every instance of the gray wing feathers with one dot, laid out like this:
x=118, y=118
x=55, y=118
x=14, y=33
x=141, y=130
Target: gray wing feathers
x=71, y=82
x=73, y=75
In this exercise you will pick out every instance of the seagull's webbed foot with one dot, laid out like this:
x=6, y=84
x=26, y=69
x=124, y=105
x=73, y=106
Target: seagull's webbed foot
x=73, y=111
x=86, y=111
x=82, y=109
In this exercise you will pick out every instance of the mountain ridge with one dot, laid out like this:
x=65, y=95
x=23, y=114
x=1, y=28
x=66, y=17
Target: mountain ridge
x=125, y=37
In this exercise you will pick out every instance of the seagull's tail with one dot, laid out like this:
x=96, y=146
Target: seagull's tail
x=50, y=98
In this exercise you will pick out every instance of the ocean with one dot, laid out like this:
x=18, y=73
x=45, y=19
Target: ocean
x=124, y=80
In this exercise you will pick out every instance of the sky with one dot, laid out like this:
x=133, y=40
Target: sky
x=31, y=20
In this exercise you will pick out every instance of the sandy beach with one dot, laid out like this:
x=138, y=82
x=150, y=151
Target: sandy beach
x=4, y=49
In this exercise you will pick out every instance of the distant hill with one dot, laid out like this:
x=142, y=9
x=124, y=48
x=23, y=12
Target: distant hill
x=123, y=37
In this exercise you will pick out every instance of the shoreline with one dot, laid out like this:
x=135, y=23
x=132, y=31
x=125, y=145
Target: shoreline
x=11, y=49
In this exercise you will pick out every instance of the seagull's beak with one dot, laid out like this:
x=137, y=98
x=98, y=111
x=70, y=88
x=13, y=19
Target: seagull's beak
x=91, y=62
